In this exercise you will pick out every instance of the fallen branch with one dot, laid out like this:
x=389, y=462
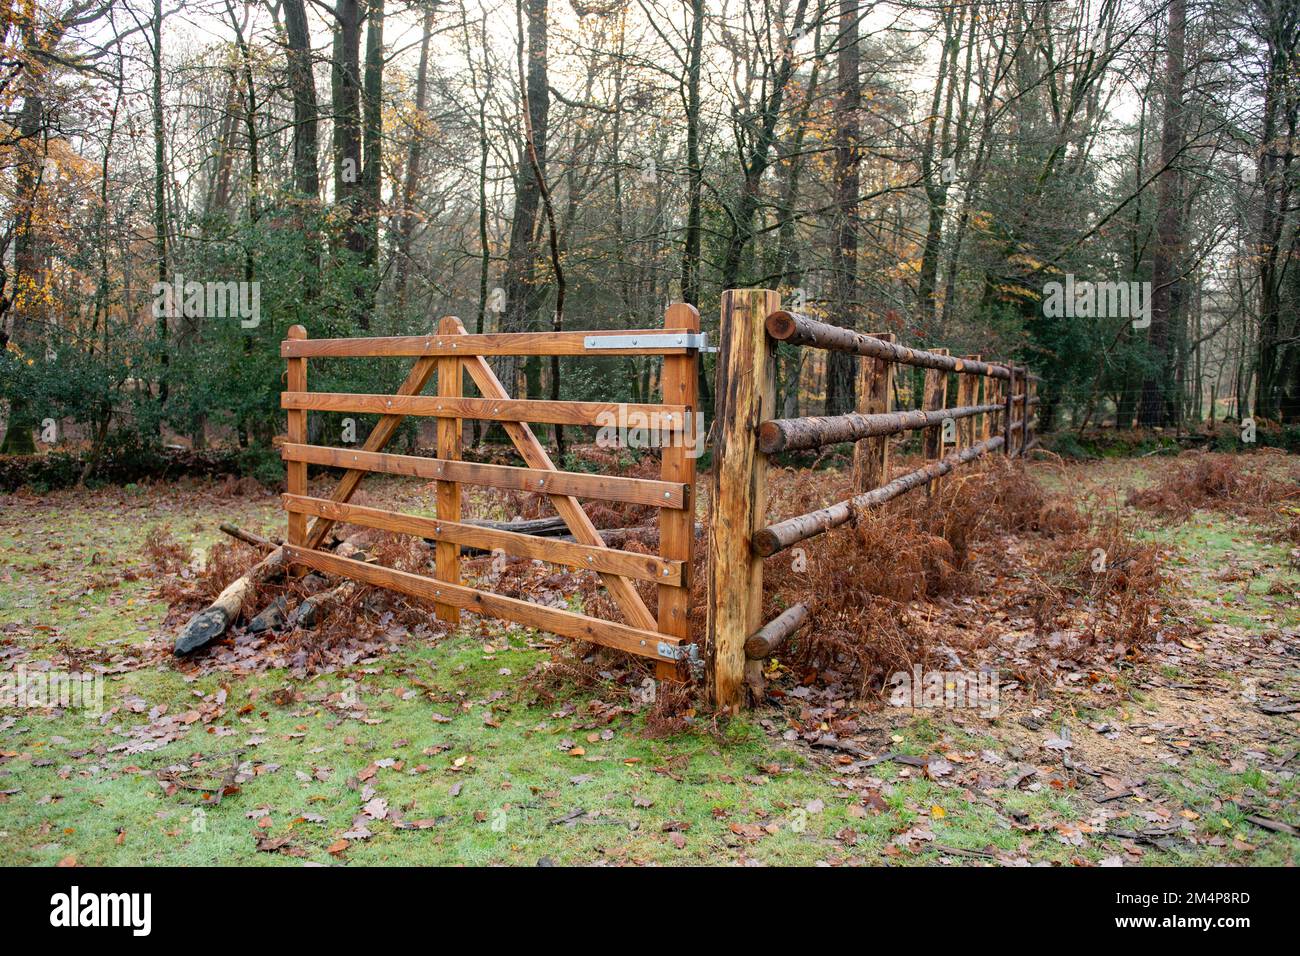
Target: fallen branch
x=248, y=537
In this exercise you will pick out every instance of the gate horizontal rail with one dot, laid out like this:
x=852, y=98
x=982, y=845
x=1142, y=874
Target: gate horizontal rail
x=669, y=418
x=643, y=643
x=639, y=342
x=637, y=491
x=629, y=564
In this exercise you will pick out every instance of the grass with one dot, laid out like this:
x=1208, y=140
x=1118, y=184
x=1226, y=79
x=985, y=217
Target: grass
x=474, y=767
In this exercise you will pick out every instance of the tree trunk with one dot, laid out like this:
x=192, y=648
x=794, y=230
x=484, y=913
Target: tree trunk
x=841, y=367
x=525, y=295
x=1159, y=405
x=414, y=157
x=302, y=84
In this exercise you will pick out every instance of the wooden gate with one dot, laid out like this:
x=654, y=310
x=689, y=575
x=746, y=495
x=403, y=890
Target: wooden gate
x=451, y=352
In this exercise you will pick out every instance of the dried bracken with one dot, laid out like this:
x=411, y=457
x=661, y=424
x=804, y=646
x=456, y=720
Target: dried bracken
x=1259, y=486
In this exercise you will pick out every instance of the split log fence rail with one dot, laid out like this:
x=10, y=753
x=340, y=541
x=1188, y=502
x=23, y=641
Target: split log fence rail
x=994, y=411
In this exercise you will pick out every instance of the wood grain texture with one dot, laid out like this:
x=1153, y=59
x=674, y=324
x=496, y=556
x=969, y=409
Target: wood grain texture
x=936, y=397
x=493, y=343
x=564, y=623
x=745, y=395
x=677, y=465
x=875, y=395
x=767, y=639
x=967, y=394
x=643, y=491
x=296, y=471
x=799, y=329
x=666, y=418
x=644, y=567
x=447, y=553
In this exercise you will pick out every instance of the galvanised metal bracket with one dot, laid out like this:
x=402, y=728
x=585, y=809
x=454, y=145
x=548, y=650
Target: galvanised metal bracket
x=657, y=340
x=679, y=652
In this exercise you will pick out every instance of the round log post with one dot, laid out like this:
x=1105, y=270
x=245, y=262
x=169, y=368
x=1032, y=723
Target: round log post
x=875, y=393
x=745, y=395
x=936, y=398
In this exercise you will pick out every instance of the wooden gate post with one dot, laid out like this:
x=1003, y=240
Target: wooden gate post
x=935, y=397
x=446, y=554
x=296, y=471
x=875, y=394
x=745, y=395
x=677, y=464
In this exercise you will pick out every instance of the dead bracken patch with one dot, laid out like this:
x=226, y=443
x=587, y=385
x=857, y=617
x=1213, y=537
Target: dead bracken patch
x=1259, y=486
x=910, y=583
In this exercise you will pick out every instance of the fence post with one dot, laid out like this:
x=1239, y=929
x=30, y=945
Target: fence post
x=875, y=393
x=936, y=397
x=985, y=398
x=1007, y=416
x=680, y=384
x=296, y=471
x=744, y=395
x=967, y=394
x=1024, y=414
x=447, y=553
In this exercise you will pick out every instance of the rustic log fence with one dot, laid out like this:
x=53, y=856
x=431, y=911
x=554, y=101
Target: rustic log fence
x=994, y=410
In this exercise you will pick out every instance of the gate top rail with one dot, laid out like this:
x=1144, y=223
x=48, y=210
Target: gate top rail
x=586, y=342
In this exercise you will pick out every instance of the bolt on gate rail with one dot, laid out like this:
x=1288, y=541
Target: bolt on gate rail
x=451, y=352
x=746, y=432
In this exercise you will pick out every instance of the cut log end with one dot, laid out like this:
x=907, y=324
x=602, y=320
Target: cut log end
x=766, y=543
x=204, y=627
x=771, y=439
x=780, y=325
x=765, y=641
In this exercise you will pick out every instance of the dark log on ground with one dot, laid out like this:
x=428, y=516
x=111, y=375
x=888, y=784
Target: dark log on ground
x=764, y=642
x=212, y=621
x=799, y=329
x=613, y=537
x=546, y=527
x=249, y=537
x=311, y=610
x=797, y=434
x=783, y=534
x=271, y=618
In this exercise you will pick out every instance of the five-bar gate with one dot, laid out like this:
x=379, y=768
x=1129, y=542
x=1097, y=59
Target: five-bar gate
x=447, y=356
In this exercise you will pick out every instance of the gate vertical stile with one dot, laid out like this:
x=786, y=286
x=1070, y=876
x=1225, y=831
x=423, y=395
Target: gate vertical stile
x=446, y=553
x=680, y=386
x=296, y=471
